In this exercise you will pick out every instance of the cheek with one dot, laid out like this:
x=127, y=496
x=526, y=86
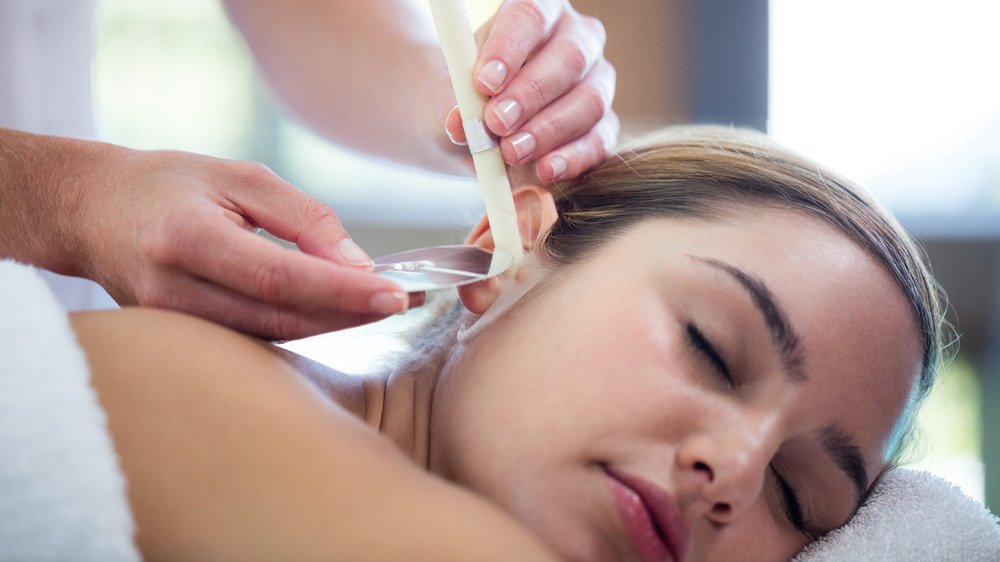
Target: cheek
x=764, y=544
x=563, y=377
x=758, y=533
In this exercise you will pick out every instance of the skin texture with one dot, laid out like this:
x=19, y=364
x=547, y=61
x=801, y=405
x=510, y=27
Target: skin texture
x=174, y=230
x=538, y=406
x=234, y=448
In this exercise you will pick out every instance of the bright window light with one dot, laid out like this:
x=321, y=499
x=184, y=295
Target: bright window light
x=901, y=96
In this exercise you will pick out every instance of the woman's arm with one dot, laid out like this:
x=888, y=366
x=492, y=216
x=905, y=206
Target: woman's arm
x=231, y=454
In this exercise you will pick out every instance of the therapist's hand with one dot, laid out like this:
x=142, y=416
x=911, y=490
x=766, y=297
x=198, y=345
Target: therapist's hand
x=551, y=87
x=177, y=231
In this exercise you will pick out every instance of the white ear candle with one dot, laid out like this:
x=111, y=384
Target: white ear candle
x=459, y=46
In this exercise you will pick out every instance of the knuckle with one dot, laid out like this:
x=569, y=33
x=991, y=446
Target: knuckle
x=606, y=142
x=532, y=14
x=167, y=294
x=281, y=325
x=604, y=77
x=534, y=88
x=162, y=243
x=273, y=282
x=576, y=59
x=592, y=104
x=597, y=28
x=553, y=126
x=612, y=127
x=602, y=140
x=318, y=213
x=146, y=295
x=249, y=173
x=258, y=169
x=611, y=76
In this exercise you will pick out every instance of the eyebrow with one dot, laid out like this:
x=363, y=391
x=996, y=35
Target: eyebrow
x=837, y=443
x=783, y=336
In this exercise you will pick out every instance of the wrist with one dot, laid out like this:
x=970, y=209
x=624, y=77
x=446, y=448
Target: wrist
x=48, y=187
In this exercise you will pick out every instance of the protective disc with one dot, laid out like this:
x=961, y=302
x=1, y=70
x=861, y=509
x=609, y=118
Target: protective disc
x=441, y=267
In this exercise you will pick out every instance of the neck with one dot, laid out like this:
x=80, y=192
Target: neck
x=399, y=405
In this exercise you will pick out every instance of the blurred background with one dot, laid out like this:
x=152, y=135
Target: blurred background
x=902, y=96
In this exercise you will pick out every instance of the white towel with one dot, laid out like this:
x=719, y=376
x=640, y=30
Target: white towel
x=62, y=494
x=912, y=515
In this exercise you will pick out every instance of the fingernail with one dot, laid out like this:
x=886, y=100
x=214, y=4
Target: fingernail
x=392, y=302
x=353, y=254
x=447, y=121
x=493, y=74
x=524, y=146
x=508, y=112
x=416, y=300
x=558, y=165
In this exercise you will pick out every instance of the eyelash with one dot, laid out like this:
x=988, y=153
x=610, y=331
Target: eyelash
x=791, y=505
x=705, y=348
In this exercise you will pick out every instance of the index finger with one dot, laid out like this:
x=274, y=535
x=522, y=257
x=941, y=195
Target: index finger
x=519, y=27
x=290, y=214
x=259, y=268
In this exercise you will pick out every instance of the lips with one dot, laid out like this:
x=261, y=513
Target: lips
x=654, y=526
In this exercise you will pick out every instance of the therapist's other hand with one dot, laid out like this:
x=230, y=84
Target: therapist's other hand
x=177, y=231
x=543, y=64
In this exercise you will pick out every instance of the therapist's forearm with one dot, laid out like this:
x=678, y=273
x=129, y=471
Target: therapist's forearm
x=366, y=74
x=43, y=197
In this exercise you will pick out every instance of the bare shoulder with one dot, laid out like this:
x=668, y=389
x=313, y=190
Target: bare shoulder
x=231, y=453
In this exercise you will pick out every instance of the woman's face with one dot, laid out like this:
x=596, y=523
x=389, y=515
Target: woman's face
x=696, y=389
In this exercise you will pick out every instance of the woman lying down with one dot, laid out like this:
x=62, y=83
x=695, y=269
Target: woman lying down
x=713, y=352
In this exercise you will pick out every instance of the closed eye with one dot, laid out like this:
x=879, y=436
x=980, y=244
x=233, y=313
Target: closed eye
x=792, y=506
x=706, y=350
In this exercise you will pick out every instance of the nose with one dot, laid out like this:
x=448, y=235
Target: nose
x=723, y=471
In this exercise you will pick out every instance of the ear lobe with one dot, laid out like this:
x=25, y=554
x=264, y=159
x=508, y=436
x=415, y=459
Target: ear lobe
x=479, y=296
x=536, y=213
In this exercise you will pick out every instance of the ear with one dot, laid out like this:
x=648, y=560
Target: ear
x=536, y=213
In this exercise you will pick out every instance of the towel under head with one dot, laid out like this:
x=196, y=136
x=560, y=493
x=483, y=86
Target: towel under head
x=912, y=515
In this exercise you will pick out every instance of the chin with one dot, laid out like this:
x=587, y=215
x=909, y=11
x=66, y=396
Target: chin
x=585, y=553
x=578, y=547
